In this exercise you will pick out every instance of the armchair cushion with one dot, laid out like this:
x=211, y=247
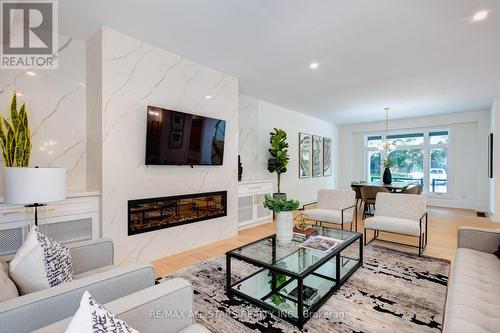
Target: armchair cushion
x=91, y=254
x=404, y=206
x=484, y=240
x=8, y=289
x=94, y=271
x=335, y=199
x=393, y=224
x=327, y=215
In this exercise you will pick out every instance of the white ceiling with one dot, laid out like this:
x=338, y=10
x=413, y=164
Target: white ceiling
x=421, y=57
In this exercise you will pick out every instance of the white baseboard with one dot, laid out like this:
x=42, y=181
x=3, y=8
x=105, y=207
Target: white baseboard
x=452, y=203
x=494, y=217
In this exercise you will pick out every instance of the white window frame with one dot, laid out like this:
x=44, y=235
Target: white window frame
x=426, y=148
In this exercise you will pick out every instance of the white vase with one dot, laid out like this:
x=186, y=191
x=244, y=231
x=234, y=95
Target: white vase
x=284, y=227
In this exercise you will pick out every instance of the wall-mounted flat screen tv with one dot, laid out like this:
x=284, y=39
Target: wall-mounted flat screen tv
x=178, y=138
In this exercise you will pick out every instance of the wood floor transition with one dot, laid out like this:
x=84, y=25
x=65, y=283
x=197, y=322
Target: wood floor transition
x=443, y=225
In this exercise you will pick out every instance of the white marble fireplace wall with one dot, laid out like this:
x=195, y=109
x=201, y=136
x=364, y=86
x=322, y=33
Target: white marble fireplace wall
x=55, y=101
x=136, y=74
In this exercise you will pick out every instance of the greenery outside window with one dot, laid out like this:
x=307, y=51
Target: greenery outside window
x=418, y=156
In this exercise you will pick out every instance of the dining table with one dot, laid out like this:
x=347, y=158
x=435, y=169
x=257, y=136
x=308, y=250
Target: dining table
x=395, y=186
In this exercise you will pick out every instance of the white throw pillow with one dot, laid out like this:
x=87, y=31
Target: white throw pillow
x=40, y=263
x=92, y=317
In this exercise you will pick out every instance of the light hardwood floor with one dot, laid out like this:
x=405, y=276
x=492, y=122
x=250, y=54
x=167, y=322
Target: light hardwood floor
x=443, y=225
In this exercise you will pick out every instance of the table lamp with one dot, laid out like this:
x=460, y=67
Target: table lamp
x=34, y=187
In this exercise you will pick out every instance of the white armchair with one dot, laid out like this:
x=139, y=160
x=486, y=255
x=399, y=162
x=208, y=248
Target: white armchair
x=404, y=214
x=334, y=206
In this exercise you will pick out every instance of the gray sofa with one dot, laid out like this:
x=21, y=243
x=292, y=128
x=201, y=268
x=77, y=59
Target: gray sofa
x=94, y=271
x=164, y=308
x=473, y=301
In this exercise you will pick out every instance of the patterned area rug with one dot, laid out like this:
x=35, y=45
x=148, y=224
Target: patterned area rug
x=393, y=292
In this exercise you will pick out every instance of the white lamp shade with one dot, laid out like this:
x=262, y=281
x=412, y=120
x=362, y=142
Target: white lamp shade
x=34, y=185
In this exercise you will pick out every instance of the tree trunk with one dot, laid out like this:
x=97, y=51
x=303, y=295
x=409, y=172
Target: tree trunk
x=279, y=181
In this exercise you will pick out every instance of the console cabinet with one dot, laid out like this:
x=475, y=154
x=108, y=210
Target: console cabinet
x=251, y=210
x=70, y=220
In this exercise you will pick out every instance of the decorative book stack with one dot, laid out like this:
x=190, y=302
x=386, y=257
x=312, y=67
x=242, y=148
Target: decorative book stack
x=301, y=233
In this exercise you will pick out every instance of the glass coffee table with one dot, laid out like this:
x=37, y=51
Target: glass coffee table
x=292, y=281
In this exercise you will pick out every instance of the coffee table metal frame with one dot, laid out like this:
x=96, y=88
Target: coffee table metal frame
x=299, y=277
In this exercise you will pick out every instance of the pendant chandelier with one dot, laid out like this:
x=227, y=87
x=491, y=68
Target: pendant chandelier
x=385, y=144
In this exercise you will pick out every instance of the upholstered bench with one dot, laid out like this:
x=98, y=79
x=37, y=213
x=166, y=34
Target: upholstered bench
x=404, y=214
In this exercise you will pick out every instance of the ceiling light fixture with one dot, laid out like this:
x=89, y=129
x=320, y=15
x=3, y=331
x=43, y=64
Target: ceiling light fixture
x=18, y=94
x=480, y=15
x=208, y=97
x=30, y=73
x=313, y=65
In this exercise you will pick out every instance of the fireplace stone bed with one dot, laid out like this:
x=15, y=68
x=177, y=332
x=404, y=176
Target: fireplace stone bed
x=158, y=213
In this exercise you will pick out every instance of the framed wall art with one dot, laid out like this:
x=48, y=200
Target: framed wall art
x=317, y=156
x=327, y=157
x=305, y=150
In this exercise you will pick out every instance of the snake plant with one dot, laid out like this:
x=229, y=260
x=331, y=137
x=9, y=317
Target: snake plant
x=15, y=137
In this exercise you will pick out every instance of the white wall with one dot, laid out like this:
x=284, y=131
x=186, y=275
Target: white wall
x=55, y=101
x=467, y=160
x=257, y=119
x=134, y=75
x=494, y=186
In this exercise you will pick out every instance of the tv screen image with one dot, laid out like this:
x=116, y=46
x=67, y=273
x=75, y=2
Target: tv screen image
x=178, y=138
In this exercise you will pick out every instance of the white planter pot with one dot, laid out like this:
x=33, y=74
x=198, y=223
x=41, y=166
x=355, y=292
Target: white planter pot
x=284, y=227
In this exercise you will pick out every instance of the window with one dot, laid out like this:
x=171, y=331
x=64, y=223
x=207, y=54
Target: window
x=375, y=164
x=421, y=156
x=408, y=164
x=438, y=165
x=374, y=141
x=406, y=139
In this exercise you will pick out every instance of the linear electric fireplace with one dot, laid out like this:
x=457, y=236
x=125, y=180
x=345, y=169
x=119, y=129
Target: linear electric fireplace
x=157, y=213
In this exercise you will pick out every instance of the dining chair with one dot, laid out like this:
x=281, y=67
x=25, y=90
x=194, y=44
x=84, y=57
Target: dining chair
x=334, y=206
x=357, y=190
x=411, y=190
x=369, y=194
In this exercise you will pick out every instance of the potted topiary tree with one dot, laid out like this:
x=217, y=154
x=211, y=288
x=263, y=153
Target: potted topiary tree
x=279, y=157
x=284, y=216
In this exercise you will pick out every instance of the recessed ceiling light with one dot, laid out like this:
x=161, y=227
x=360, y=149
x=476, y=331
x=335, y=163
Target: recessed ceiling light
x=208, y=97
x=480, y=15
x=313, y=65
x=30, y=73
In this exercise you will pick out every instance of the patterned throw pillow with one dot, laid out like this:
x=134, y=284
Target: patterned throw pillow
x=40, y=263
x=92, y=317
